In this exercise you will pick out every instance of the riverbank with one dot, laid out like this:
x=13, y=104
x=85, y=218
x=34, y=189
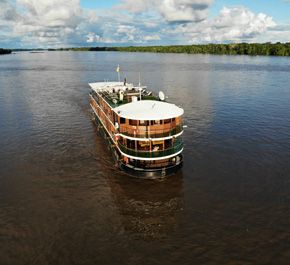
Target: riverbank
x=271, y=49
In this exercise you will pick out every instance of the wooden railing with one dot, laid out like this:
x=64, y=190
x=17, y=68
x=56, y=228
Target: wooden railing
x=140, y=132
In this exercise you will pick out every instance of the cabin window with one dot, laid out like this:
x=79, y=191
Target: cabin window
x=133, y=122
x=144, y=123
x=168, y=143
x=157, y=122
x=144, y=145
x=122, y=120
x=167, y=121
x=151, y=122
x=130, y=144
x=157, y=145
x=173, y=120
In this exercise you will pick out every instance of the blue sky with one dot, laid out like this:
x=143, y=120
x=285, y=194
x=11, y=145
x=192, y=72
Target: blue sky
x=67, y=23
x=98, y=4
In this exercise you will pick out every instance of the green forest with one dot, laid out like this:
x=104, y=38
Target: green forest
x=275, y=49
x=4, y=51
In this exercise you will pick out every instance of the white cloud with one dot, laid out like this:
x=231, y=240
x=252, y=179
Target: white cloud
x=126, y=32
x=92, y=37
x=182, y=11
x=7, y=12
x=62, y=23
x=136, y=6
x=231, y=25
x=280, y=33
x=151, y=38
x=95, y=38
x=151, y=24
x=40, y=16
x=173, y=11
x=39, y=22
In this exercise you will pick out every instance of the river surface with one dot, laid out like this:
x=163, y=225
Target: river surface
x=63, y=201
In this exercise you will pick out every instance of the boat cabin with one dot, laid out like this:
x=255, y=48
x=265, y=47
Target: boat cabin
x=145, y=129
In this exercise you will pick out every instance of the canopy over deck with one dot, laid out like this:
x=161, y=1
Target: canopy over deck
x=109, y=86
x=149, y=110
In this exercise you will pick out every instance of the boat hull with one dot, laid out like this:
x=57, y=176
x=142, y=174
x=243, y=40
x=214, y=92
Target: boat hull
x=156, y=173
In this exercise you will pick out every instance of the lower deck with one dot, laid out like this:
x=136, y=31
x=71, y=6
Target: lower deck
x=150, y=169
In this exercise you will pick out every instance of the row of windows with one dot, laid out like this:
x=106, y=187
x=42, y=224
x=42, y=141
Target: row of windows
x=145, y=145
x=146, y=123
x=107, y=110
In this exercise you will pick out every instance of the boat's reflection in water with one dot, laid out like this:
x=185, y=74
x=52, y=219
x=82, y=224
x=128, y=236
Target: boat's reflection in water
x=148, y=209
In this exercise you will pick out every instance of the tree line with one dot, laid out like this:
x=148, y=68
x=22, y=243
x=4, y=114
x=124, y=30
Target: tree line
x=275, y=49
x=5, y=51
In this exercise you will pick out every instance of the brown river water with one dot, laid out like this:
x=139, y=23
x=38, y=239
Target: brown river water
x=63, y=201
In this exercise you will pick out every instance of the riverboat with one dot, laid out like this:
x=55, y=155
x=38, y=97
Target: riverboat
x=144, y=131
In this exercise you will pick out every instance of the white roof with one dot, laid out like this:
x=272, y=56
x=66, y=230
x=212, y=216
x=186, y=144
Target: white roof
x=108, y=86
x=149, y=110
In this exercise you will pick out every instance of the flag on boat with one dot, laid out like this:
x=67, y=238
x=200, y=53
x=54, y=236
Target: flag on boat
x=118, y=69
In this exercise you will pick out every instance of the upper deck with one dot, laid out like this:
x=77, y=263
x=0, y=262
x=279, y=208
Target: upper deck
x=120, y=93
x=135, y=112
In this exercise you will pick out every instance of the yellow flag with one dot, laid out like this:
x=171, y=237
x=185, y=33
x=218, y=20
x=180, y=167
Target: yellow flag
x=118, y=69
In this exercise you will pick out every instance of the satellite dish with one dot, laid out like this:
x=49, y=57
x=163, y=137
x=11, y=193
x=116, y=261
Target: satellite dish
x=161, y=96
x=115, y=101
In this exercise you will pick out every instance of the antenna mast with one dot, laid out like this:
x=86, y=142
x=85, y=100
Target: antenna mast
x=139, y=79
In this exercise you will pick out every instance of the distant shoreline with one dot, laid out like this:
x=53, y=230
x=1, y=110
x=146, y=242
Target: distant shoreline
x=5, y=51
x=266, y=49
x=277, y=49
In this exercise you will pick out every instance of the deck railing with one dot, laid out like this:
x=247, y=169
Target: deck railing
x=157, y=133
x=177, y=146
